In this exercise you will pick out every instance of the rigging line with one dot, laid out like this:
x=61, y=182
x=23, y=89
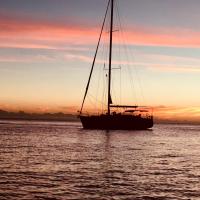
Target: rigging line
x=104, y=92
x=105, y=58
x=119, y=49
x=124, y=44
x=139, y=82
x=98, y=85
x=92, y=103
x=135, y=69
x=100, y=69
x=104, y=44
x=100, y=102
x=130, y=51
x=94, y=57
x=112, y=87
x=120, y=85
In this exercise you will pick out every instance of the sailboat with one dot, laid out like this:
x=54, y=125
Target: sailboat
x=130, y=117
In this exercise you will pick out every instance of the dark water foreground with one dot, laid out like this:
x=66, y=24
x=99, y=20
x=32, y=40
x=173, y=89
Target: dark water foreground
x=62, y=161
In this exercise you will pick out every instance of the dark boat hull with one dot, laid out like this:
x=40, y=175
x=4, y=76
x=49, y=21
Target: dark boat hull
x=118, y=122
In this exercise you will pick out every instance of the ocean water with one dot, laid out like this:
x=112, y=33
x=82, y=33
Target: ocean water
x=49, y=160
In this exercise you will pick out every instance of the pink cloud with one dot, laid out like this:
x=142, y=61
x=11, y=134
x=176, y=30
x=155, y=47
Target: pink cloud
x=150, y=61
x=163, y=37
x=18, y=33
x=34, y=34
x=42, y=34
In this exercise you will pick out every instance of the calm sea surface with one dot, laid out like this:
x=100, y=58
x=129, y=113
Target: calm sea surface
x=42, y=160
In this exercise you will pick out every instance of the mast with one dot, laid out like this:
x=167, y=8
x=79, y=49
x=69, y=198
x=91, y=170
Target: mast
x=110, y=56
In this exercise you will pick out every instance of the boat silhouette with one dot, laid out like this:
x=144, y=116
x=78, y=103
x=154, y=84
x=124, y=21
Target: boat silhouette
x=130, y=117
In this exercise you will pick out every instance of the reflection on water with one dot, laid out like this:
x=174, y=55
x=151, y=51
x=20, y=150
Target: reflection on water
x=62, y=161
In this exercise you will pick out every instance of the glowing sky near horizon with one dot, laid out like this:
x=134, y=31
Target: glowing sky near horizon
x=46, y=48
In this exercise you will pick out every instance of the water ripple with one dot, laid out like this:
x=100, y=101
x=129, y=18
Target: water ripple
x=60, y=161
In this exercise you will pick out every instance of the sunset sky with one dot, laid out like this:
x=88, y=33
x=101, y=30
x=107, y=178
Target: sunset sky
x=47, y=46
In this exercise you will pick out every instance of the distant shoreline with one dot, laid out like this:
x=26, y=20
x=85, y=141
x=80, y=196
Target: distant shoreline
x=5, y=115
x=40, y=120
x=62, y=117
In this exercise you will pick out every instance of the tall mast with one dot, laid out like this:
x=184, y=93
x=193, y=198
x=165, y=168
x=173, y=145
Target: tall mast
x=110, y=56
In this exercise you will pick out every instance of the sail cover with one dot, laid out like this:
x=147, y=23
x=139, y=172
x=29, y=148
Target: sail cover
x=110, y=99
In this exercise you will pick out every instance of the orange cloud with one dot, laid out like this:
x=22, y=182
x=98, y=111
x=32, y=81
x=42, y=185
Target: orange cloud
x=172, y=113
